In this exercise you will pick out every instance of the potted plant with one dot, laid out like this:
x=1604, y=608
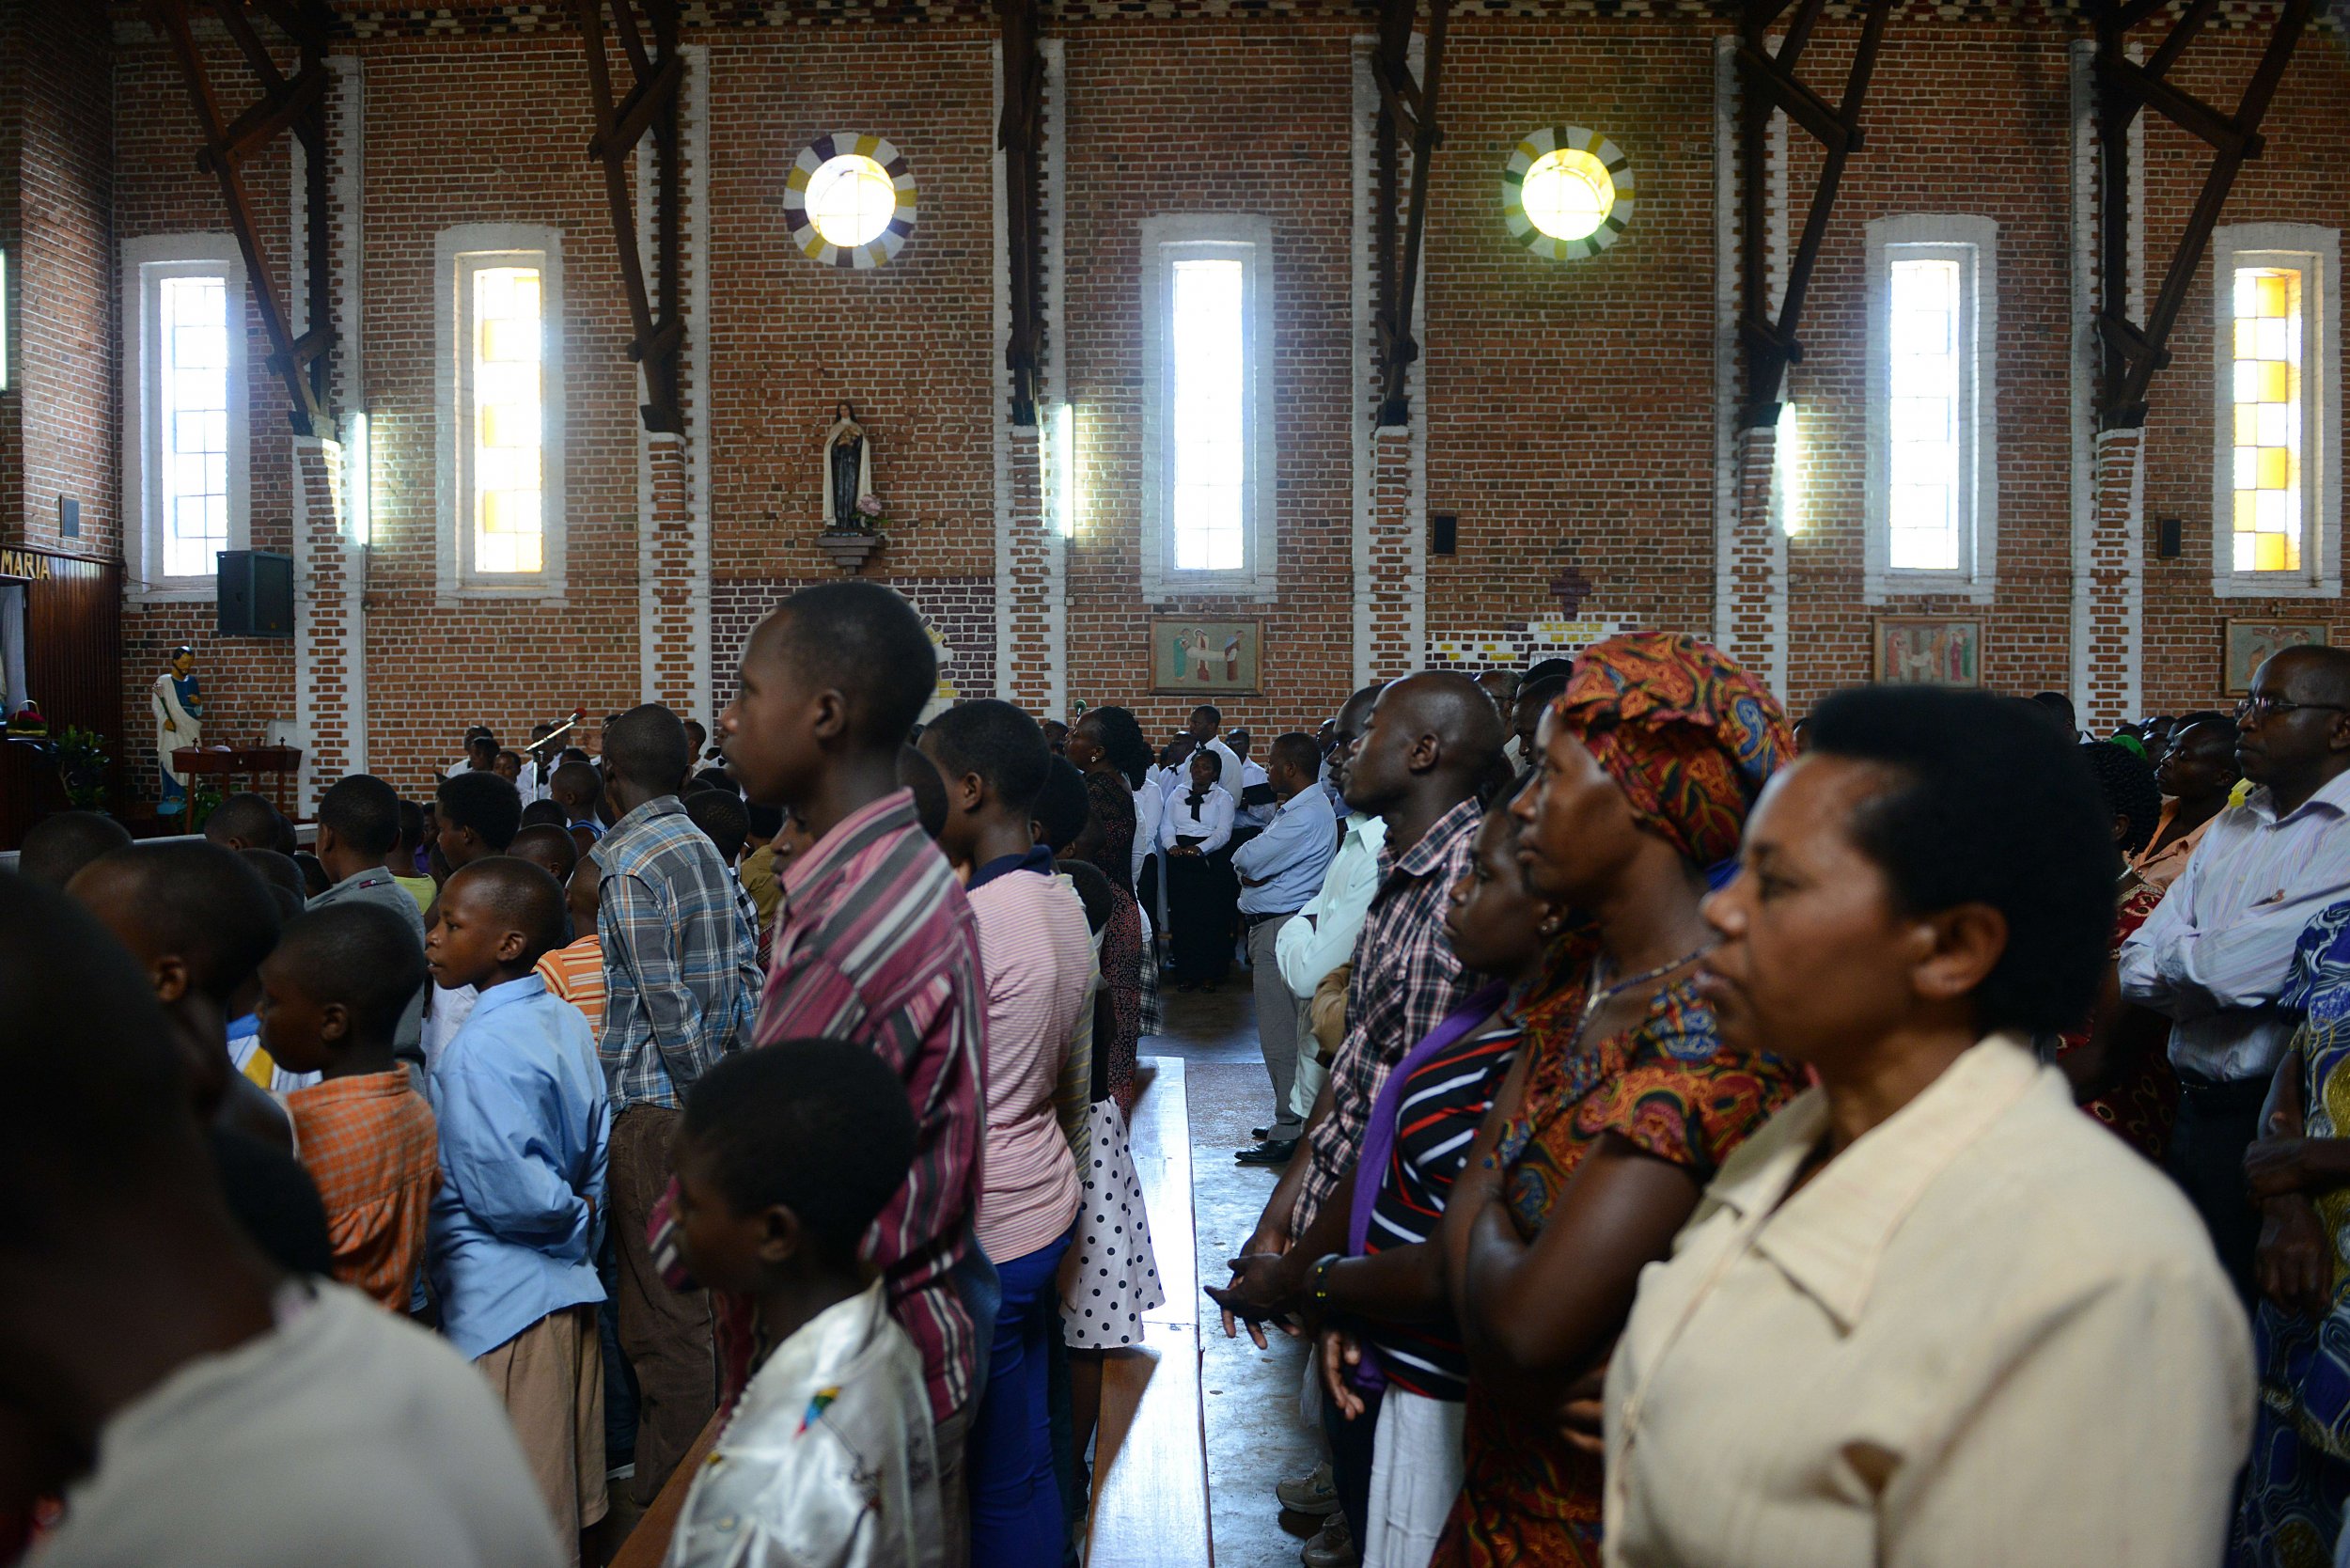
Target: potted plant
x=82, y=759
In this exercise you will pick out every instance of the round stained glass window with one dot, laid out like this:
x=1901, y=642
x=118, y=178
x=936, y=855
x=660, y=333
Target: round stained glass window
x=1566, y=192
x=849, y=200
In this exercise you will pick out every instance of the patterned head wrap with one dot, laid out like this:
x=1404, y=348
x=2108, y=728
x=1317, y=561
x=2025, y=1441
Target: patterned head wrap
x=1689, y=736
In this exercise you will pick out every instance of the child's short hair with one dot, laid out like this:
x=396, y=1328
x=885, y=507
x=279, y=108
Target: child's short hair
x=410, y=826
x=647, y=746
x=720, y=815
x=203, y=902
x=245, y=817
x=864, y=640
x=63, y=842
x=548, y=846
x=517, y=756
x=919, y=774
x=284, y=878
x=361, y=954
x=819, y=1126
x=544, y=814
x=523, y=893
x=997, y=742
x=489, y=805
x=578, y=782
x=364, y=811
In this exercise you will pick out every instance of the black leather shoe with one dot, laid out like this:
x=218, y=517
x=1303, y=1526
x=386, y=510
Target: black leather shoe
x=1271, y=1151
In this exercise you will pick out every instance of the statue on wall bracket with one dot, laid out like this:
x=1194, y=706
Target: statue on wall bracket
x=852, y=513
x=850, y=504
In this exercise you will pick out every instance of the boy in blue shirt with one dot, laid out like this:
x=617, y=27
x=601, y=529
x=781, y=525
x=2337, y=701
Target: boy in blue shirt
x=524, y=1123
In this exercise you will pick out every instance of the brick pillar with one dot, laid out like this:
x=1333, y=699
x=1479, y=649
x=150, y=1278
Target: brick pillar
x=330, y=711
x=1032, y=609
x=676, y=626
x=2115, y=587
x=1395, y=587
x=1753, y=622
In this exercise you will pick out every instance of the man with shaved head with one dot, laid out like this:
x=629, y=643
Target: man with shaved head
x=2215, y=954
x=1430, y=741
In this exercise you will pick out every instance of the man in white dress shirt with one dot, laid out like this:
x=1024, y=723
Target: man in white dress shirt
x=1207, y=723
x=1280, y=871
x=2214, y=955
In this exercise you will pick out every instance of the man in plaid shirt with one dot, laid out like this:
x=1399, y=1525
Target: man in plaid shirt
x=681, y=982
x=1432, y=742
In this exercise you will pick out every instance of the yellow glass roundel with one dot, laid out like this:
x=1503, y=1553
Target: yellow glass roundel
x=1569, y=193
x=1566, y=192
x=851, y=200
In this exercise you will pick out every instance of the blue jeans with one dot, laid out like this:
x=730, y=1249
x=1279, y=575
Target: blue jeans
x=1016, y=1517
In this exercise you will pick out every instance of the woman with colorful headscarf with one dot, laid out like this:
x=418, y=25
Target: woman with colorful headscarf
x=1625, y=1101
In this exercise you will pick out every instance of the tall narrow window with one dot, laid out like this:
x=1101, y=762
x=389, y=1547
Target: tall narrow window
x=1931, y=486
x=504, y=477
x=2276, y=492
x=191, y=425
x=1208, y=503
x=501, y=413
x=184, y=440
x=2270, y=325
x=1210, y=447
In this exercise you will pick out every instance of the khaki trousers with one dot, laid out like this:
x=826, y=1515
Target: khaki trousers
x=551, y=1376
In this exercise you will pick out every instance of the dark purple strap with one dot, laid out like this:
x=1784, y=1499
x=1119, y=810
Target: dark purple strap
x=1379, y=1136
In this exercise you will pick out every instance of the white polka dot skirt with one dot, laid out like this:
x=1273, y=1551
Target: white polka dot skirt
x=1118, y=1276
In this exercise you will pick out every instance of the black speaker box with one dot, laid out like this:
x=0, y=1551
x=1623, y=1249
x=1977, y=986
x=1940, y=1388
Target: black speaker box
x=256, y=594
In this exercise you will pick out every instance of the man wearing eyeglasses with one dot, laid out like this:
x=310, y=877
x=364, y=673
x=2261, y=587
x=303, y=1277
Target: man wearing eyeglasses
x=2215, y=955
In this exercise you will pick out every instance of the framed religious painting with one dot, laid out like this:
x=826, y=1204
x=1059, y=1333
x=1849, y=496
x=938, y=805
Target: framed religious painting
x=2247, y=644
x=1928, y=651
x=1206, y=659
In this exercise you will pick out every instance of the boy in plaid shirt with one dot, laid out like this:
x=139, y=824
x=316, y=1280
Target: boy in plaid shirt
x=331, y=998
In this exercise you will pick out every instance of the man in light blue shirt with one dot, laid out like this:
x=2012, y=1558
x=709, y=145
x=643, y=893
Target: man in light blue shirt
x=1321, y=936
x=1280, y=870
x=525, y=1124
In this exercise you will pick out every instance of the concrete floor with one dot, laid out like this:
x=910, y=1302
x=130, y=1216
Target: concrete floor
x=1255, y=1433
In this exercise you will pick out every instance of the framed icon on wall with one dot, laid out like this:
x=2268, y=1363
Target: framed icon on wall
x=1928, y=651
x=1191, y=657
x=2247, y=643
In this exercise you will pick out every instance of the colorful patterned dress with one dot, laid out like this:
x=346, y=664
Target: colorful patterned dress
x=2298, y=1486
x=1671, y=1087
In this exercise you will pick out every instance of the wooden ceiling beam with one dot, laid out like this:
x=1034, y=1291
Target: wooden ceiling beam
x=1773, y=343
x=2134, y=352
x=1407, y=118
x=297, y=105
x=649, y=108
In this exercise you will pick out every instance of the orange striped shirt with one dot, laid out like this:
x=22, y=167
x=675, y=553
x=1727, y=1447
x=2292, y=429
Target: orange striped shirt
x=372, y=1145
x=576, y=973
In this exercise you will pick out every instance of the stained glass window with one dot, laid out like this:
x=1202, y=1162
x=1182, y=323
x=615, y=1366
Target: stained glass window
x=2268, y=328
x=505, y=403
x=851, y=200
x=1569, y=193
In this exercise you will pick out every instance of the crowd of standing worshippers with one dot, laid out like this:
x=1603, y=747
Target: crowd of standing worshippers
x=1687, y=1154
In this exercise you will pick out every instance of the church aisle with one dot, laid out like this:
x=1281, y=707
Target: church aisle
x=1255, y=1435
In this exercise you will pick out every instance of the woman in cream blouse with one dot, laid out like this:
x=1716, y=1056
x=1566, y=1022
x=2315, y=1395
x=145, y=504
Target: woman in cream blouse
x=1930, y=1314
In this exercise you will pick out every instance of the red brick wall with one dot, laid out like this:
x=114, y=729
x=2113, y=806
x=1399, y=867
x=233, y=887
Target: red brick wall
x=1569, y=408
x=58, y=149
x=2299, y=180
x=1251, y=118
x=158, y=190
